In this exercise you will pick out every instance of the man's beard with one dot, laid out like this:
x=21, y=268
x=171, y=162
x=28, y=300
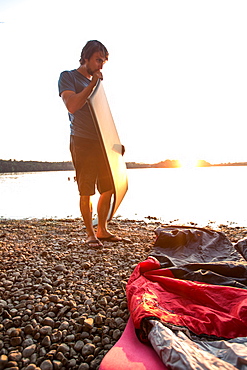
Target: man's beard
x=90, y=72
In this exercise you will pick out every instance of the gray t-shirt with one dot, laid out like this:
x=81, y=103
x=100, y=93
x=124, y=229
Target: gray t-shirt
x=81, y=123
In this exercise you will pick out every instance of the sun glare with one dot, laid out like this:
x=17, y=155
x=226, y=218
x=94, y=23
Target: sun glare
x=189, y=163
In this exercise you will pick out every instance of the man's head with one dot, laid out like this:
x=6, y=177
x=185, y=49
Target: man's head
x=92, y=47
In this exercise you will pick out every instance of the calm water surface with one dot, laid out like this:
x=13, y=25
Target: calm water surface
x=200, y=195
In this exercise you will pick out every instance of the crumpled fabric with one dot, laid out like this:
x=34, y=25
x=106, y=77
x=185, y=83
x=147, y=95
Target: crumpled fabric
x=178, y=352
x=193, y=286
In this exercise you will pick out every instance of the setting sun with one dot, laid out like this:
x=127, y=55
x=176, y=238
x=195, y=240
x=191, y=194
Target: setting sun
x=192, y=163
x=189, y=163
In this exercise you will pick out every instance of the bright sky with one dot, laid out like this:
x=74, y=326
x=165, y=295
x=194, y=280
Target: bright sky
x=176, y=79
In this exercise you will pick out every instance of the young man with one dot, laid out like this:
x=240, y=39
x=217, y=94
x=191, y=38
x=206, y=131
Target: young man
x=74, y=87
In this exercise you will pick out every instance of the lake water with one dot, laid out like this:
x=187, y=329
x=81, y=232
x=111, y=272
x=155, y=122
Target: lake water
x=179, y=195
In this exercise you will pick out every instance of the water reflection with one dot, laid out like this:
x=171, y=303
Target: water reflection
x=198, y=195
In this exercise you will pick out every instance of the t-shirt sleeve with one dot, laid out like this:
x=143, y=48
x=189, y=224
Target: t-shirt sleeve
x=66, y=82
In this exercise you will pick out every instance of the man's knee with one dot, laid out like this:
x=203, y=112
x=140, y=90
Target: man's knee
x=107, y=193
x=85, y=199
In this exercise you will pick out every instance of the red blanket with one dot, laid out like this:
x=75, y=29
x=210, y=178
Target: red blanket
x=194, y=281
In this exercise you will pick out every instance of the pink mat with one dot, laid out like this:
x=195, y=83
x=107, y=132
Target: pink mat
x=130, y=354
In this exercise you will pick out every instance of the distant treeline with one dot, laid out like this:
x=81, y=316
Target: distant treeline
x=231, y=164
x=32, y=166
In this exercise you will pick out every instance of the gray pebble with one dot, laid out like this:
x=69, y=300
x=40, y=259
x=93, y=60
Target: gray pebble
x=99, y=319
x=45, y=330
x=3, y=303
x=69, y=338
x=3, y=361
x=56, y=336
x=15, y=341
x=60, y=268
x=88, y=349
x=31, y=367
x=49, y=322
x=46, y=342
x=63, y=348
x=103, y=301
x=83, y=366
x=64, y=325
x=116, y=334
x=46, y=365
x=15, y=356
x=78, y=345
x=57, y=365
x=88, y=323
x=28, y=351
x=28, y=329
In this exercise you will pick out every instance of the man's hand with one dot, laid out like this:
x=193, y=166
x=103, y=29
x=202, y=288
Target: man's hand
x=97, y=76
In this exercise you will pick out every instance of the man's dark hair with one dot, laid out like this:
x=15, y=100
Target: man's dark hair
x=92, y=47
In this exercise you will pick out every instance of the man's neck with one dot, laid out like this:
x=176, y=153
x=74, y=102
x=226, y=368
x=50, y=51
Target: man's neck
x=82, y=69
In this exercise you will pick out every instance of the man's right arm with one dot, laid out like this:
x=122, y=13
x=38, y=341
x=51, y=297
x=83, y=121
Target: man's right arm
x=75, y=101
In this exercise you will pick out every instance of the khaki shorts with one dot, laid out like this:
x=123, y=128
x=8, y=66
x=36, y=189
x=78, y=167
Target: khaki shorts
x=90, y=166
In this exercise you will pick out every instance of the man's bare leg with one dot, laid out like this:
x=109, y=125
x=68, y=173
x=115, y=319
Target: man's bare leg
x=86, y=212
x=103, y=210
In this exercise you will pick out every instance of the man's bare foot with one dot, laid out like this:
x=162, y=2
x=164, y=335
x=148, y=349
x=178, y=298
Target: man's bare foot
x=93, y=242
x=110, y=238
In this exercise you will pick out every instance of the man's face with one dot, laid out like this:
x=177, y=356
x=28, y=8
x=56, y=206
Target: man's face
x=95, y=63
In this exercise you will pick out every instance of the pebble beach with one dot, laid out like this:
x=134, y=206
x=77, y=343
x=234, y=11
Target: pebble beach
x=62, y=305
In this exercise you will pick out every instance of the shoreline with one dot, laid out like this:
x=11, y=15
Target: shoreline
x=64, y=306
